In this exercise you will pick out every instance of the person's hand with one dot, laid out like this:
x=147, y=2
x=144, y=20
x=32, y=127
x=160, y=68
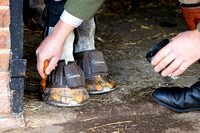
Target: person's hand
x=181, y=52
x=51, y=47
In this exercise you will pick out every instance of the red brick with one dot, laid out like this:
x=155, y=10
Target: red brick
x=4, y=2
x=4, y=82
x=4, y=18
x=10, y=122
x=4, y=79
x=4, y=61
x=4, y=104
x=4, y=90
x=4, y=39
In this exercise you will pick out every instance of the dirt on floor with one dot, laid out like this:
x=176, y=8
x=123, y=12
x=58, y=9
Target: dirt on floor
x=124, y=35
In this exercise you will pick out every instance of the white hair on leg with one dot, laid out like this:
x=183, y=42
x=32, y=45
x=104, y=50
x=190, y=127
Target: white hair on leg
x=86, y=36
x=67, y=53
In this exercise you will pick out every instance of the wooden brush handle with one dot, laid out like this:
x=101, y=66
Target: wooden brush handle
x=43, y=80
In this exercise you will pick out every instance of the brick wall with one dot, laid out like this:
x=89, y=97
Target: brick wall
x=12, y=66
x=4, y=57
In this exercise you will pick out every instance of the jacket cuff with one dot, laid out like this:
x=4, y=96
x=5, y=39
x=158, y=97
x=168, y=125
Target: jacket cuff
x=70, y=19
x=83, y=9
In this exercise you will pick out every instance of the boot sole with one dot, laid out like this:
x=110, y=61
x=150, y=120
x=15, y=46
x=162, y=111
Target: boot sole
x=175, y=109
x=71, y=104
x=105, y=90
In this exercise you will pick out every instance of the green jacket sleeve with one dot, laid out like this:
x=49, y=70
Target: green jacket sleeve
x=83, y=9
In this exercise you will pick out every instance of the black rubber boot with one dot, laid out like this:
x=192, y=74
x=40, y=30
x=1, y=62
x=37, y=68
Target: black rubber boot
x=179, y=99
x=97, y=77
x=66, y=86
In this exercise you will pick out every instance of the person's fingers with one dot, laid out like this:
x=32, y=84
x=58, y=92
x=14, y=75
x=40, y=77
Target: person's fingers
x=52, y=64
x=160, y=55
x=164, y=62
x=172, y=67
x=40, y=65
x=181, y=69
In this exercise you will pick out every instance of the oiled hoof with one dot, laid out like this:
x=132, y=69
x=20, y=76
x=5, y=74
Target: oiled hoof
x=66, y=97
x=100, y=84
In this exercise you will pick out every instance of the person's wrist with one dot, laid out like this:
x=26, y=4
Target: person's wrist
x=62, y=30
